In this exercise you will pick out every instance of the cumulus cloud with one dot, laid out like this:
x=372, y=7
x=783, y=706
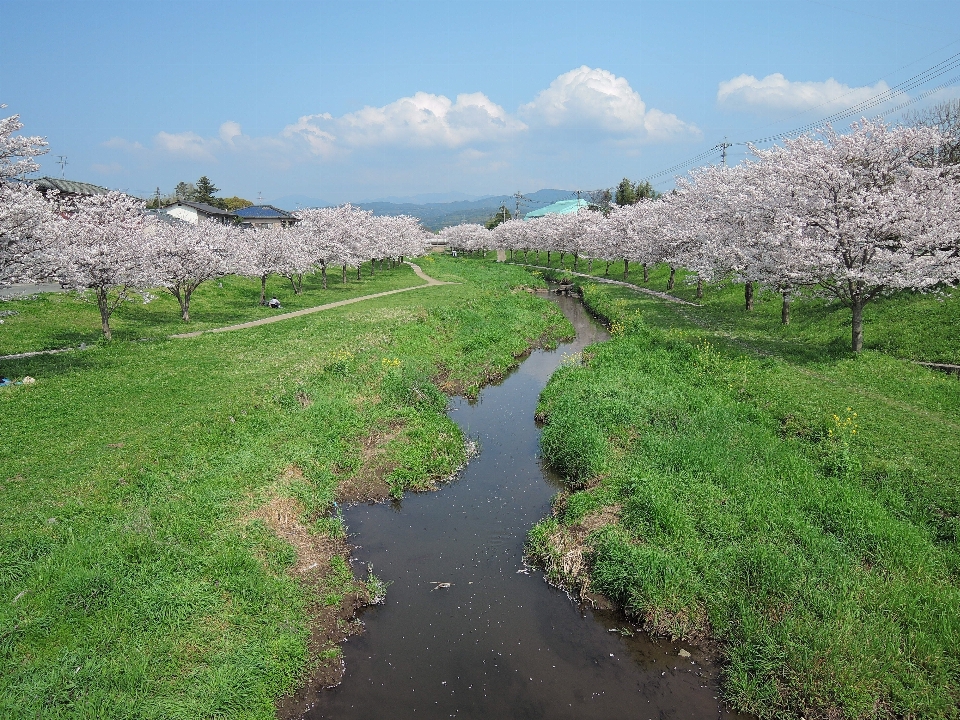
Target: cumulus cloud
x=467, y=126
x=230, y=131
x=423, y=120
x=597, y=99
x=775, y=93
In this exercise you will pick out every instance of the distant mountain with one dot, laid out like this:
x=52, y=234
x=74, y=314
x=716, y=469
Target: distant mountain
x=295, y=202
x=438, y=215
x=427, y=198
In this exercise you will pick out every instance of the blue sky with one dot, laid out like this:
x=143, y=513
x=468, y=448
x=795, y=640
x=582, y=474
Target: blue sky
x=349, y=101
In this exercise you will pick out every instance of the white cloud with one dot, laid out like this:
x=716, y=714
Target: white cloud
x=467, y=127
x=776, y=93
x=230, y=131
x=423, y=120
x=597, y=99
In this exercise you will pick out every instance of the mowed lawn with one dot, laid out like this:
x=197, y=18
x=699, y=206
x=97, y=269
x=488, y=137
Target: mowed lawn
x=761, y=489
x=57, y=320
x=135, y=577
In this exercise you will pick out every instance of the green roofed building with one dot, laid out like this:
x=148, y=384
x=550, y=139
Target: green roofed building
x=561, y=207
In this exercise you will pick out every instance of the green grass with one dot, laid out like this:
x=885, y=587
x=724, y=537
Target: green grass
x=908, y=325
x=824, y=563
x=132, y=583
x=56, y=320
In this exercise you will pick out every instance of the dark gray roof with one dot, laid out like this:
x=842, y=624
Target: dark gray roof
x=68, y=186
x=264, y=211
x=204, y=208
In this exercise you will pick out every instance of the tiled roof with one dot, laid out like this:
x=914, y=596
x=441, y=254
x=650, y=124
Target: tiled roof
x=68, y=186
x=264, y=211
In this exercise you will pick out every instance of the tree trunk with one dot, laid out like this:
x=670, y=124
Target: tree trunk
x=646, y=274
x=699, y=288
x=323, y=274
x=785, y=309
x=373, y=263
x=576, y=259
x=673, y=276
x=748, y=296
x=103, y=302
x=548, y=258
x=185, y=305
x=263, y=289
x=358, y=271
x=590, y=265
x=343, y=276
x=606, y=272
x=857, y=326
x=626, y=269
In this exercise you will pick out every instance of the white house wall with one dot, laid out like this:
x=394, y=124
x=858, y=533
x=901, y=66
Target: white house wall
x=183, y=213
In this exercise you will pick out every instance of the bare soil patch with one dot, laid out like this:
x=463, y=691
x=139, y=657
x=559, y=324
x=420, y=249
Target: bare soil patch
x=368, y=484
x=569, y=562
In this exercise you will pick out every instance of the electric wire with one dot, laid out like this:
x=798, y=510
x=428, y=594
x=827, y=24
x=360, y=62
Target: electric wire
x=941, y=68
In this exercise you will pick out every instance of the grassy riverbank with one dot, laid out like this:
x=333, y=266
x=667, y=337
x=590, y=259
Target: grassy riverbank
x=912, y=326
x=162, y=500
x=768, y=492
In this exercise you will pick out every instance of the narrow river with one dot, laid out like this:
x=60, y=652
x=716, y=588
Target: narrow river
x=499, y=642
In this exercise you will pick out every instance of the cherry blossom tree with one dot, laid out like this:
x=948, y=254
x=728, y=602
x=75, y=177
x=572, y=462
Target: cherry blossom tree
x=27, y=231
x=26, y=218
x=103, y=248
x=873, y=213
x=185, y=255
x=260, y=255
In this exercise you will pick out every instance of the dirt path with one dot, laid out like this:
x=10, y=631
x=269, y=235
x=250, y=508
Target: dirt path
x=429, y=281
x=306, y=311
x=653, y=293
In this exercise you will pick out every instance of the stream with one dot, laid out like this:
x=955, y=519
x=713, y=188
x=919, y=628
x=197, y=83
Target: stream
x=499, y=642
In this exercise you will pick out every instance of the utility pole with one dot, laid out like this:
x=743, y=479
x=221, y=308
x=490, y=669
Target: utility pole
x=158, y=200
x=723, y=151
x=62, y=162
x=518, y=197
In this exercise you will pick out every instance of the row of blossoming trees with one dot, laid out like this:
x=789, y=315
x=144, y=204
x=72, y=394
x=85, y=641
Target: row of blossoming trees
x=109, y=246
x=855, y=215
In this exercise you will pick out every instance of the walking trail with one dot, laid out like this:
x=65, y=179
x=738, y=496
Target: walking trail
x=306, y=311
x=429, y=281
x=654, y=293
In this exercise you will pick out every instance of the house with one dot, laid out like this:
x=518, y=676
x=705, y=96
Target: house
x=67, y=188
x=265, y=217
x=192, y=212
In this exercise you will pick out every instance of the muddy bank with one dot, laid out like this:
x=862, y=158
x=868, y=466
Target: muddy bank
x=467, y=629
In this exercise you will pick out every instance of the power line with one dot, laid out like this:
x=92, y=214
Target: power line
x=943, y=67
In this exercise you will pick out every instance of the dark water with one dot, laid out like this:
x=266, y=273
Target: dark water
x=498, y=643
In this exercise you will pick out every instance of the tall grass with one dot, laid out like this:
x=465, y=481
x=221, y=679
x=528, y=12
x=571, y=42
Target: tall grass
x=133, y=582
x=803, y=515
